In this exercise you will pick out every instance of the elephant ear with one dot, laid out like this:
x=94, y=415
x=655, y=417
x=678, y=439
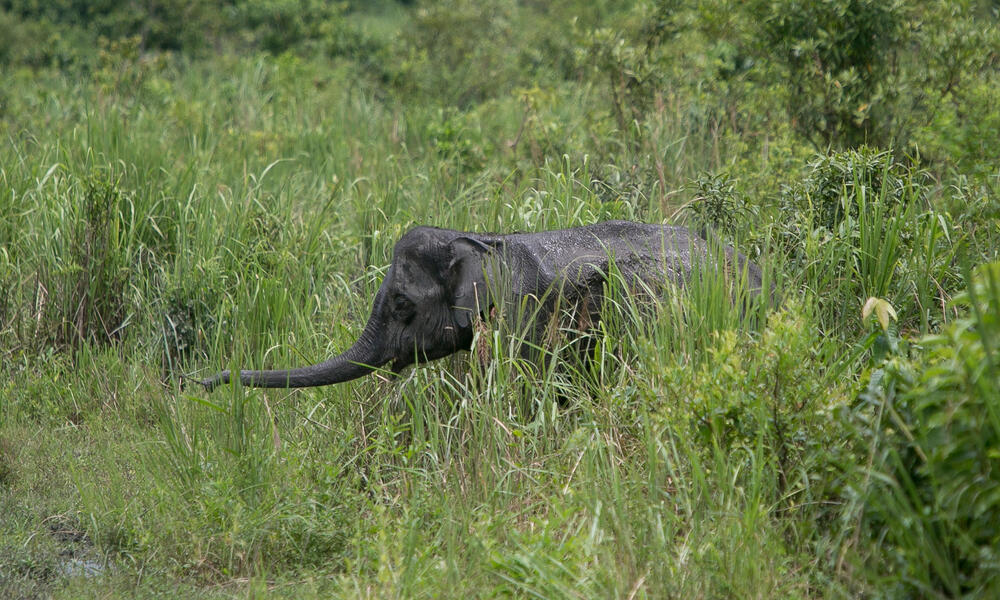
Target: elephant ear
x=467, y=275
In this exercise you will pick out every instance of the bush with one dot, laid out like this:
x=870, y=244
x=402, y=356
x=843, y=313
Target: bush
x=82, y=275
x=932, y=510
x=768, y=398
x=860, y=225
x=718, y=204
x=462, y=52
x=957, y=50
x=279, y=25
x=447, y=60
x=37, y=44
x=454, y=138
x=964, y=130
x=161, y=24
x=628, y=59
x=94, y=293
x=834, y=180
x=836, y=59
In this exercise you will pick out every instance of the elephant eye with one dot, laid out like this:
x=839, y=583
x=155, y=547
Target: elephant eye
x=402, y=306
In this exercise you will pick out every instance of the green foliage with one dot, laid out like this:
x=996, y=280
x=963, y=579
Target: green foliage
x=836, y=59
x=40, y=43
x=834, y=182
x=454, y=139
x=161, y=24
x=770, y=394
x=84, y=293
x=443, y=61
x=6, y=463
x=859, y=225
x=717, y=203
x=280, y=25
x=958, y=52
x=933, y=503
x=962, y=127
x=629, y=60
x=168, y=213
x=123, y=70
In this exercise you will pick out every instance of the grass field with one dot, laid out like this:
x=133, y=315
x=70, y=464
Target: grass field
x=167, y=214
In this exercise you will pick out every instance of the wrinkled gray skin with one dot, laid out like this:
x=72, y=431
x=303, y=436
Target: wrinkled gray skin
x=440, y=281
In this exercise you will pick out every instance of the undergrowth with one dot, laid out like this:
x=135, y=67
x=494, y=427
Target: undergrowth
x=169, y=209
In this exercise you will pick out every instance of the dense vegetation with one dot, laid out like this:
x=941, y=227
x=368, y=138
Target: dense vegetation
x=188, y=186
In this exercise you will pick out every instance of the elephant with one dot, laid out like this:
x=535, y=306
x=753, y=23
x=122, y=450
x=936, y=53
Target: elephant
x=441, y=282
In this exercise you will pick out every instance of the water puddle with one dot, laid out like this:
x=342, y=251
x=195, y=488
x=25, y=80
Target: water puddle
x=76, y=554
x=80, y=567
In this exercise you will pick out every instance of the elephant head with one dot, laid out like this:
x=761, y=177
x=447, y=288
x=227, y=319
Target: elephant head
x=425, y=309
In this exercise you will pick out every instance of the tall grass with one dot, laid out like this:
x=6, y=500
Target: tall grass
x=928, y=492
x=226, y=215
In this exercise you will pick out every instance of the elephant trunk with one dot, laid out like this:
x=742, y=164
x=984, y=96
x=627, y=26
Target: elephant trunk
x=357, y=361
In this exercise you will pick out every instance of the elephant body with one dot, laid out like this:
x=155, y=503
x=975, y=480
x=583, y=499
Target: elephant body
x=441, y=281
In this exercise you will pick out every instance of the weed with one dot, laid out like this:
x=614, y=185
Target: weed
x=932, y=435
x=164, y=208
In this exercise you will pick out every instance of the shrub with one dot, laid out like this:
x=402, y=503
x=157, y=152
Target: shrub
x=37, y=44
x=834, y=180
x=445, y=59
x=185, y=311
x=161, y=24
x=769, y=398
x=76, y=284
x=90, y=290
x=964, y=130
x=860, y=225
x=836, y=58
x=462, y=52
x=717, y=203
x=279, y=25
x=932, y=510
x=628, y=60
x=454, y=138
x=957, y=50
